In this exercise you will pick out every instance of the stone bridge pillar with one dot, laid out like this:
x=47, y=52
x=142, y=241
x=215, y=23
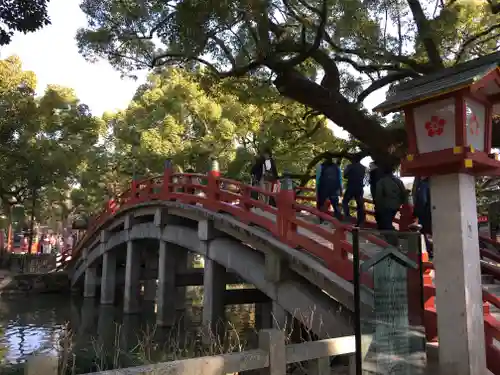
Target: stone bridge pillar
x=132, y=279
x=263, y=315
x=87, y=317
x=281, y=319
x=90, y=280
x=214, y=287
x=182, y=266
x=271, y=315
x=105, y=333
x=151, y=267
x=108, y=278
x=165, y=315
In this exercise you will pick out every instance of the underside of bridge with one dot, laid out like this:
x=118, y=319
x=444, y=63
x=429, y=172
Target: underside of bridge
x=152, y=248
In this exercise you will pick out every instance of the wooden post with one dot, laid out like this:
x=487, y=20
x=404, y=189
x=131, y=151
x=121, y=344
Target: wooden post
x=319, y=366
x=245, y=197
x=352, y=365
x=39, y=364
x=167, y=178
x=133, y=190
x=273, y=342
x=286, y=199
x=213, y=185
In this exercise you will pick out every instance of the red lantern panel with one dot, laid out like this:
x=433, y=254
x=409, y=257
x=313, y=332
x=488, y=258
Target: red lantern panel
x=475, y=124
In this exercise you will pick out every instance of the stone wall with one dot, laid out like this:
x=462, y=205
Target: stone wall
x=54, y=282
x=29, y=263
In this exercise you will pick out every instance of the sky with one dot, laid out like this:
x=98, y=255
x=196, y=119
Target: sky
x=53, y=55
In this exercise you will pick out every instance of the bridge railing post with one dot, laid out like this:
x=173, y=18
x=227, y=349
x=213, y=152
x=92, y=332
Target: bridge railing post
x=285, y=205
x=213, y=189
x=272, y=341
x=245, y=198
x=167, y=179
x=133, y=190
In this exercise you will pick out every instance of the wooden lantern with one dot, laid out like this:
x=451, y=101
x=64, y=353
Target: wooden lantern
x=448, y=118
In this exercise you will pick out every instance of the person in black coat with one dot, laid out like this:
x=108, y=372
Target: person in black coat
x=374, y=176
x=264, y=167
x=422, y=210
x=355, y=173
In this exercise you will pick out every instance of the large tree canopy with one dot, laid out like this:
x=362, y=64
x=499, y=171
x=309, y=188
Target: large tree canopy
x=190, y=117
x=354, y=46
x=21, y=15
x=43, y=140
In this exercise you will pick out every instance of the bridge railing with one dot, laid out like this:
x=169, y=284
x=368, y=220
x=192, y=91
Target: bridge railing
x=289, y=220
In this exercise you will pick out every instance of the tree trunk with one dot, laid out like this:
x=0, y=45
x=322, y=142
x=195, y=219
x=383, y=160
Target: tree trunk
x=382, y=144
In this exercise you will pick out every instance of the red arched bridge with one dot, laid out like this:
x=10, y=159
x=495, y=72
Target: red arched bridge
x=297, y=264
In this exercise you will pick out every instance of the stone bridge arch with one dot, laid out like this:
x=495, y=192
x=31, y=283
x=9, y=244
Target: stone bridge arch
x=294, y=281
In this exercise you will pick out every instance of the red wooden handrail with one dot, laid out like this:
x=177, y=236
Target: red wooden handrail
x=330, y=248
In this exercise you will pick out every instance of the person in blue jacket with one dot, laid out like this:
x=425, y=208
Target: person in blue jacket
x=355, y=174
x=328, y=185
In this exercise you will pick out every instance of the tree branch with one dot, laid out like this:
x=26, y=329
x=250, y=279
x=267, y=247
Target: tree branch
x=370, y=68
x=425, y=33
x=337, y=108
x=317, y=40
x=308, y=133
x=179, y=57
x=388, y=79
x=331, y=80
x=472, y=39
x=495, y=7
x=423, y=68
x=224, y=48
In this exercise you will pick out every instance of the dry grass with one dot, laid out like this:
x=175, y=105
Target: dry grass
x=179, y=344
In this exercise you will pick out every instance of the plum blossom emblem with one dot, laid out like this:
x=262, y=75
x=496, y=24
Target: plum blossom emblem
x=474, y=125
x=435, y=126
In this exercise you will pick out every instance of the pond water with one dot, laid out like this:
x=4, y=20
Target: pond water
x=87, y=337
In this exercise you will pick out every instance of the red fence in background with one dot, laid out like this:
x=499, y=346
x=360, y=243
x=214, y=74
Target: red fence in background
x=220, y=194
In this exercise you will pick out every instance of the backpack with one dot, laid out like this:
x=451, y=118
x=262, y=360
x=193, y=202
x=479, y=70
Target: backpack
x=330, y=176
x=393, y=192
x=421, y=198
x=402, y=190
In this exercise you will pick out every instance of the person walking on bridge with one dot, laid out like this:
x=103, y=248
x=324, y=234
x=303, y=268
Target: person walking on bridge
x=265, y=174
x=390, y=195
x=422, y=210
x=328, y=185
x=355, y=175
x=374, y=176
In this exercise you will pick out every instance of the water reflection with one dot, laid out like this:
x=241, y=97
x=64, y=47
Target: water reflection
x=101, y=337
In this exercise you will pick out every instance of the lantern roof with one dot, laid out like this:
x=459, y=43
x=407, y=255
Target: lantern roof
x=436, y=84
